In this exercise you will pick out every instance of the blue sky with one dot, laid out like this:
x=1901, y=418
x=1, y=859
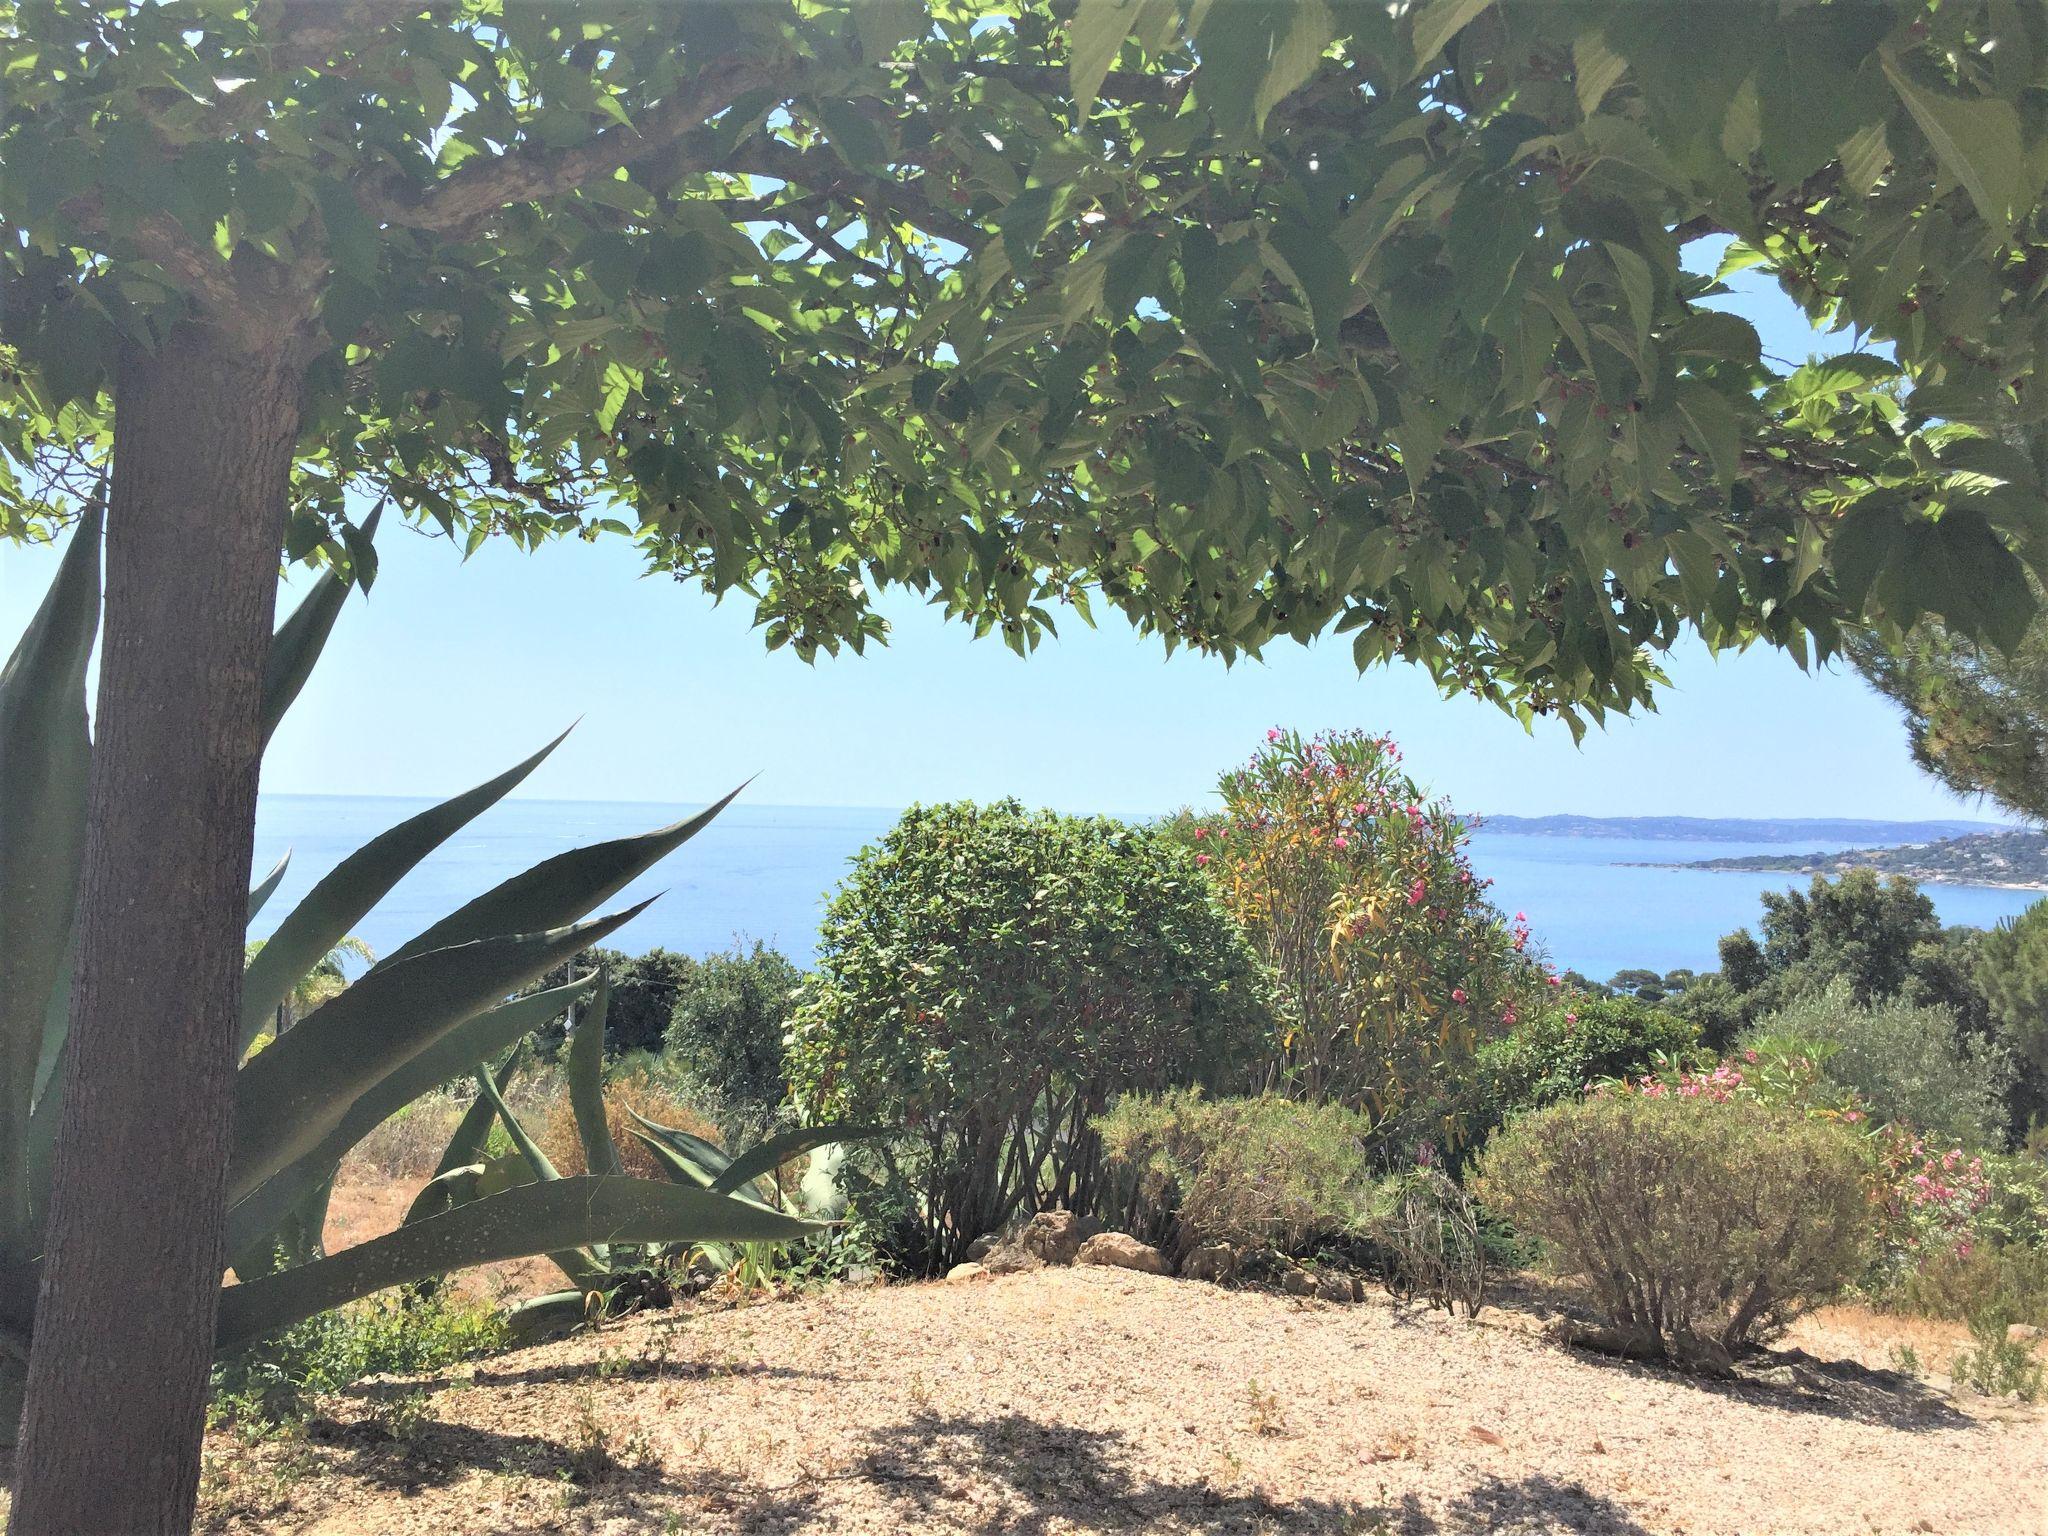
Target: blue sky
x=448, y=671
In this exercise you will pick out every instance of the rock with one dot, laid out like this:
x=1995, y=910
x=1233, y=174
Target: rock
x=2021, y=1333
x=1121, y=1251
x=1298, y=1282
x=1338, y=1288
x=965, y=1272
x=1211, y=1261
x=1011, y=1260
x=1054, y=1237
x=982, y=1247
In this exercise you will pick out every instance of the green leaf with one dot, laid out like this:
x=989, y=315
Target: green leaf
x=558, y=890
x=261, y=892
x=1436, y=24
x=1318, y=269
x=1094, y=36
x=299, y=640
x=532, y=1219
x=289, y=1097
x=45, y=750
x=586, y=1079
x=1596, y=70
x=346, y=894
x=1976, y=139
x=767, y=1156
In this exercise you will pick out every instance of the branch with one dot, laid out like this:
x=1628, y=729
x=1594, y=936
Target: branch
x=316, y=31
x=459, y=203
x=822, y=173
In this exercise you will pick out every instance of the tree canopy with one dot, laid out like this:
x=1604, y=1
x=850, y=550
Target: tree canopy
x=1254, y=319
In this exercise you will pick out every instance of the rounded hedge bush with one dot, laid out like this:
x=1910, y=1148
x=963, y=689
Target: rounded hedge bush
x=989, y=978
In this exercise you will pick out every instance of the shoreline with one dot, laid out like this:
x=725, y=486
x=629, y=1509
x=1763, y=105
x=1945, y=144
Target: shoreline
x=1918, y=876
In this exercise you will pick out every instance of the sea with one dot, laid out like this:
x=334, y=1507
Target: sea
x=1596, y=904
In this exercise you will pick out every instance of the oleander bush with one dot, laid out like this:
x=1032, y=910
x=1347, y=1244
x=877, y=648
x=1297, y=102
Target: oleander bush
x=1264, y=1172
x=1700, y=1225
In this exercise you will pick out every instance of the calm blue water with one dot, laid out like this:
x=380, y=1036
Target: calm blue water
x=764, y=872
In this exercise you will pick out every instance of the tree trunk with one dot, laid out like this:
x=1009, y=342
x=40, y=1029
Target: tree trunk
x=110, y=1436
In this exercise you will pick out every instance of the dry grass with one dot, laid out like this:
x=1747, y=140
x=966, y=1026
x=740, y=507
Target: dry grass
x=552, y=1124
x=1069, y=1401
x=409, y=1145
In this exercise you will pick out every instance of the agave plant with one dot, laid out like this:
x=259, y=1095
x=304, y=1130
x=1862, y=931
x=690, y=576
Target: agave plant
x=423, y=1015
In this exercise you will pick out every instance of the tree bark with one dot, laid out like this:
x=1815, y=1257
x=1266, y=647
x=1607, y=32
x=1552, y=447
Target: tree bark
x=203, y=439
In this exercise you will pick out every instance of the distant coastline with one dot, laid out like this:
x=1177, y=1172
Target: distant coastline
x=1718, y=829
x=2008, y=860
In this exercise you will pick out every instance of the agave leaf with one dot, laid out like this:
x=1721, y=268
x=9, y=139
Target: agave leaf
x=264, y=889
x=300, y=638
x=45, y=751
x=706, y=1155
x=473, y=1131
x=355, y=885
x=586, y=1080
x=583, y=1269
x=543, y=1314
x=767, y=1156
x=443, y=1192
x=290, y=1097
x=680, y=1169
x=560, y=889
x=254, y=1217
x=535, y=1218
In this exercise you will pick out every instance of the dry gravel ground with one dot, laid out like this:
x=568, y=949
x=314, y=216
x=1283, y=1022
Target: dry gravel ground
x=1097, y=1400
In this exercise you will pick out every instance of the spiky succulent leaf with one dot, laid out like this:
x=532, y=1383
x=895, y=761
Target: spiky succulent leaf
x=45, y=749
x=680, y=1169
x=586, y=1080
x=346, y=894
x=261, y=892
x=765, y=1157
x=711, y=1158
x=535, y=1218
x=251, y=1219
x=300, y=638
x=561, y=889
x=290, y=1097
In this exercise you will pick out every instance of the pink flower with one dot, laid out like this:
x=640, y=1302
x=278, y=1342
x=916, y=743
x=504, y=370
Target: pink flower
x=1274, y=734
x=1458, y=995
x=1415, y=894
x=1571, y=1018
x=1201, y=858
x=1340, y=841
x=1555, y=981
x=1200, y=833
x=1508, y=1016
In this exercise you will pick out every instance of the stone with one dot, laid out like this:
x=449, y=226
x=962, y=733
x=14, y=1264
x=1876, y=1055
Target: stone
x=1011, y=1260
x=1211, y=1261
x=2021, y=1333
x=982, y=1247
x=965, y=1272
x=1120, y=1250
x=1337, y=1288
x=1054, y=1237
x=1298, y=1282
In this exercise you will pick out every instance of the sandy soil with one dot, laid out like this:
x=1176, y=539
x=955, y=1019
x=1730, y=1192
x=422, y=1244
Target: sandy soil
x=1096, y=1400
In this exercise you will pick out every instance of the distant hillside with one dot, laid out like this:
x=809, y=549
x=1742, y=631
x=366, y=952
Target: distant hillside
x=1713, y=829
x=2018, y=860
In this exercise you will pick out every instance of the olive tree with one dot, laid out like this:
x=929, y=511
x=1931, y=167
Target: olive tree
x=1248, y=318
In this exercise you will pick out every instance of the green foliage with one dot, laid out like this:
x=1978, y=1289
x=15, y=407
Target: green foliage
x=1564, y=1048
x=726, y=1031
x=2012, y=968
x=1257, y=320
x=1699, y=1225
x=989, y=978
x=645, y=990
x=270, y=1380
x=1906, y=1064
x=1977, y=719
x=1263, y=1172
x=412, y=1021
x=1995, y=1363
x=1355, y=887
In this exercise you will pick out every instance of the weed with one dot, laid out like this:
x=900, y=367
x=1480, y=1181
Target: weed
x=1995, y=1363
x=1266, y=1416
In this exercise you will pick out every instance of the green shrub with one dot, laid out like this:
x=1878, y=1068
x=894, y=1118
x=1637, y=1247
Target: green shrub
x=398, y=1333
x=989, y=979
x=1995, y=1363
x=645, y=990
x=1906, y=1064
x=1562, y=1050
x=725, y=1036
x=1700, y=1225
x=1262, y=1172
